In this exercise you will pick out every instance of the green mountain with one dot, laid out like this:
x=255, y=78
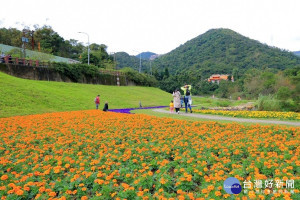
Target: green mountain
x=297, y=53
x=123, y=59
x=146, y=55
x=222, y=50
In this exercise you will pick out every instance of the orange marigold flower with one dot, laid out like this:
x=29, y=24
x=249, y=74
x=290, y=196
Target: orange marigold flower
x=20, y=192
x=2, y=188
x=42, y=189
x=140, y=193
x=163, y=181
x=4, y=177
x=52, y=194
x=218, y=193
x=84, y=198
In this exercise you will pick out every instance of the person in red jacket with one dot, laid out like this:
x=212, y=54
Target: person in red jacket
x=97, y=101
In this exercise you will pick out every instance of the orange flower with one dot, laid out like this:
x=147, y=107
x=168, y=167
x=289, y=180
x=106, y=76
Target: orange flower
x=163, y=181
x=52, y=194
x=4, y=177
x=84, y=198
x=20, y=192
x=218, y=193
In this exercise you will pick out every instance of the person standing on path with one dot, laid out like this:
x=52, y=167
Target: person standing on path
x=97, y=101
x=187, y=97
x=171, y=107
x=176, y=96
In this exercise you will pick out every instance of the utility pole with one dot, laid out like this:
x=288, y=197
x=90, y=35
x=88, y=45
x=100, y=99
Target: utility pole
x=26, y=40
x=88, y=46
x=140, y=69
x=32, y=40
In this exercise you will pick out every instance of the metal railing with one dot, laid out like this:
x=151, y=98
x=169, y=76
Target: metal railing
x=37, y=63
x=23, y=61
x=112, y=72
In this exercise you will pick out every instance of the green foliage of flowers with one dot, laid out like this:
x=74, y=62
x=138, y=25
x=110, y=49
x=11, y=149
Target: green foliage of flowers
x=102, y=155
x=252, y=114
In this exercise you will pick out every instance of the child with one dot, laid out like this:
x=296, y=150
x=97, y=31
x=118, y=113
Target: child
x=171, y=107
x=97, y=101
x=105, y=107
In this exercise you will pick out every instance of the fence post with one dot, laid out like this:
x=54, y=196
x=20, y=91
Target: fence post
x=118, y=79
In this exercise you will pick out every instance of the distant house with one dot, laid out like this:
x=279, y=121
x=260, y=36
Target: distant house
x=216, y=78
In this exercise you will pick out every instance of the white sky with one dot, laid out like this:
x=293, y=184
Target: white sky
x=158, y=26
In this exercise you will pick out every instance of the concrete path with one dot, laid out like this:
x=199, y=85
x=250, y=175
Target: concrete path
x=217, y=117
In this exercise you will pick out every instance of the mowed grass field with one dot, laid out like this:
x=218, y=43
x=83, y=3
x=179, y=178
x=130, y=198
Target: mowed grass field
x=22, y=97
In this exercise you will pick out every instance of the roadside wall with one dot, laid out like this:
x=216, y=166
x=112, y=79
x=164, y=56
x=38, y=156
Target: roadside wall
x=49, y=74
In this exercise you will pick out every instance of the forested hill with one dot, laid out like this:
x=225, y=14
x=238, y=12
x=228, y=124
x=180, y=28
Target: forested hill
x=297, y=53
x=123, y=59
x=221, y=50
x=145, y=55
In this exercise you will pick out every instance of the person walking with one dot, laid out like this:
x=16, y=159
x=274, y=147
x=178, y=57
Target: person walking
x=97, y=101
x=176, y=96
x=187, y=97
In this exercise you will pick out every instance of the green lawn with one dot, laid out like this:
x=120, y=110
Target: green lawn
x=23, y=97
x=206, y=102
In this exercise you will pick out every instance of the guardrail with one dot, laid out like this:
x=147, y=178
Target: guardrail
x=37, y=63
x=105, y=71
x=23, y=61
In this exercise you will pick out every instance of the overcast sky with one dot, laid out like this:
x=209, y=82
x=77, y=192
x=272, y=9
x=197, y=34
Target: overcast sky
x=158, y=26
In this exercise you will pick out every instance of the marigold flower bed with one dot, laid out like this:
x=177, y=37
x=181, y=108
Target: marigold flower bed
x=252, y=114
x=104, y=155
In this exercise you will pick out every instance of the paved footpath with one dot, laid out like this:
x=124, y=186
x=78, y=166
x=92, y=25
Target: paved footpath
x=216, y=117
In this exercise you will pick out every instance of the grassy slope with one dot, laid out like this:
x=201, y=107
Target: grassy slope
x=22, y=97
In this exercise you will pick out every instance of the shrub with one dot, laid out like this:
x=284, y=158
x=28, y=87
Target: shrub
x=268, y=103
x=224, y=103
x=140, y=78
x=283, y=93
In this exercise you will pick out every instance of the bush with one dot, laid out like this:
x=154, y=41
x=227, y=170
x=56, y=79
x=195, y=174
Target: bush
x=283, y=93
x=268, y=103
x=140, y=78
x=82, y=72
x=223, y=103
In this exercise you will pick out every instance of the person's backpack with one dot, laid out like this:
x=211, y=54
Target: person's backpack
x=187, y=93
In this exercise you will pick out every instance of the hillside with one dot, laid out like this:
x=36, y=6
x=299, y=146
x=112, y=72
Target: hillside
x=297, y=53
x=221, y=50
x=35, y=55
x=123, y=59
x=146, y=55
x=22, y=97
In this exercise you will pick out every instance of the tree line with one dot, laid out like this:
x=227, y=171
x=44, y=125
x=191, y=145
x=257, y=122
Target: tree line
x=46, y=40
x=260, y=72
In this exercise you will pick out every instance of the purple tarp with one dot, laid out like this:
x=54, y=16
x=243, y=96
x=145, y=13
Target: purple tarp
x=127, y=110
